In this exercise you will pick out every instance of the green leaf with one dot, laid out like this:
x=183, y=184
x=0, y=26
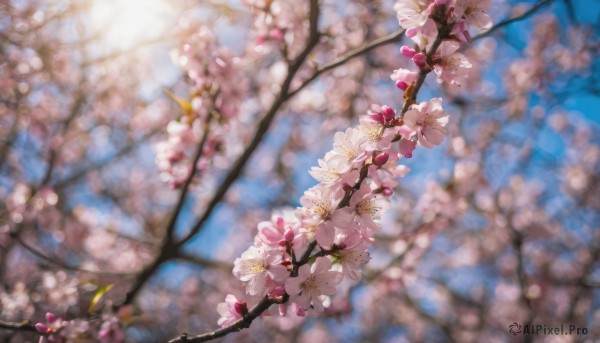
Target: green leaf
x=99, y=293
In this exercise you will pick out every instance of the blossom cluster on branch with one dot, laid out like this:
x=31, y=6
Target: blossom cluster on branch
x=341, y=214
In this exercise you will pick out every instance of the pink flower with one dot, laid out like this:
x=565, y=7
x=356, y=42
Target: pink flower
x=461, y=31
x=279, y=229
x=425, y=35
x=377, y=136
x=403, y=78
x=407, y=146
x=347, y=148
x=353, y=254
x=333, y=170
x=454, y=67
x=427, y=119
x=259, y=267
x=110, y=332
x=474, y=12
x=313, y=284
x=230, y=311
x=319, y=210
x=412, y=13
x=366, y=207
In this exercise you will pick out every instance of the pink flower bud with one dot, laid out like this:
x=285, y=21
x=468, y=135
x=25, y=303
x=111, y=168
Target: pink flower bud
x=420, y=60
x=289, y=235
x=387, y=112
x=41, y=327
x=241, y=308
x=276, y=34
x=410, y=33
x=407, y=51
x=50, y=317
x=402, y=85
x=381, y=159
x=387, y=192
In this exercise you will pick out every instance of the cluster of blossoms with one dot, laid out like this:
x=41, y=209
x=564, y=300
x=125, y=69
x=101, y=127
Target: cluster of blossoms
x=277, y=23
x=216, y=93
x=57, y=330
x=441, y=25
x=437, y=28
x=340, y=215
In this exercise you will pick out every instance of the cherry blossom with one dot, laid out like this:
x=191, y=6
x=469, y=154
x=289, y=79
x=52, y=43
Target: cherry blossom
x=313, y=284
x=474, y=12
x=230, y=310
x=427, y=119
x=259, y=267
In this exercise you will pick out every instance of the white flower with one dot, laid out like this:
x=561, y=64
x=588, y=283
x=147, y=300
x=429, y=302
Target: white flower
x=333, y=170
x=377, y=136
x=319, y=210
x=347, y=150
x=313, y=283
x=412, y=13
x=257, y=266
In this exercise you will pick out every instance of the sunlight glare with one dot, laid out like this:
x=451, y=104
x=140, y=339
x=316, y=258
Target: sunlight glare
x=124, y=23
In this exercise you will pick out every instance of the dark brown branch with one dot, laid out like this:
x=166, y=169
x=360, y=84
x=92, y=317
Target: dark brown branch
x=506, y=22
x=263, y=126
x=385, y=40
x=25, y=326
x=240, y=324
x=59, y=263
x=168, y=248
x=204, y=262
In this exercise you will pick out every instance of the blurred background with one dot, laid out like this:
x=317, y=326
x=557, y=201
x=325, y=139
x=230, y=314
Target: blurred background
x=100, y=111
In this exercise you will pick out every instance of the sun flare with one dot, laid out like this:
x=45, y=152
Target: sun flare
x=125, y=23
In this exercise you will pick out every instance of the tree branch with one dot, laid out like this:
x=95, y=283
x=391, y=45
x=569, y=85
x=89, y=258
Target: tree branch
x=24, y=326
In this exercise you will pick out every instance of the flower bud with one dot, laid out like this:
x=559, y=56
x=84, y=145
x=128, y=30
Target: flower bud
x=241, y=308
x=381, y=159
x=387, y=112
x=402, y=85
x=41, y=327
x=289, y=235
x=407, y=51
x=50, y=317
x=420, y=60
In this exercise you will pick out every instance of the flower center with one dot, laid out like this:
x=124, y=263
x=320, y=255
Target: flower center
x=254, y=267
x=311, y=283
